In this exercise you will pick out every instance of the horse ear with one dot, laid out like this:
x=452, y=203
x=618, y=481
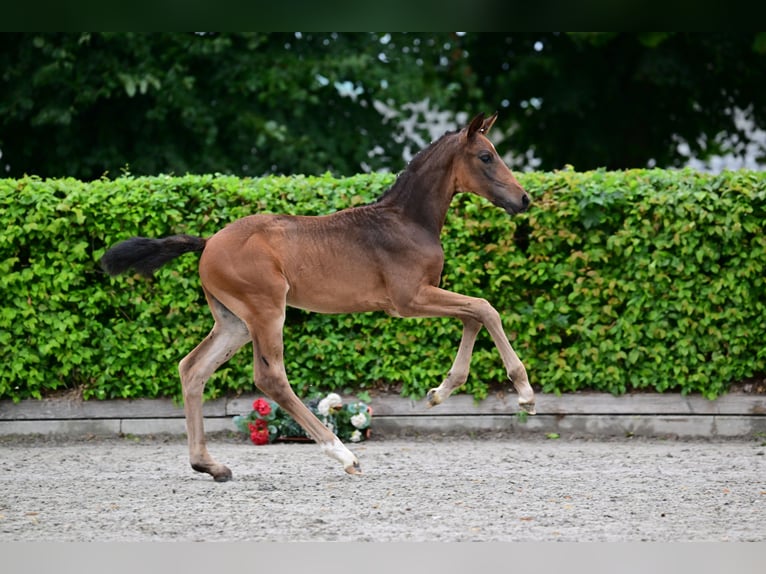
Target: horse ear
x=488, y=123
x=475, y=126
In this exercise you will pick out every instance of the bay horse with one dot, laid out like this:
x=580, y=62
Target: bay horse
x=385, y=256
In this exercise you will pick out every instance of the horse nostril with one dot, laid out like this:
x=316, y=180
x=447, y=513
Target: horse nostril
x=525, y=201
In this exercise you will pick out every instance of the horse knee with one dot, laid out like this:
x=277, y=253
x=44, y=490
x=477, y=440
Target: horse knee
x=486, y=313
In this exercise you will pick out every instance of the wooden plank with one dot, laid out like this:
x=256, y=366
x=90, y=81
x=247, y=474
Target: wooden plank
x=71, y=427
x=583, y=404
x=394, y=405
x=652, y=404
x=571, y=426
x=175, y=426
x=244, y=404
x=575, y=426
x=50, y=409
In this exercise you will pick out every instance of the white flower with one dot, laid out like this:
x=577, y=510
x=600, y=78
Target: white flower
x=356, y=436
x=330, y=402
x=359, y=421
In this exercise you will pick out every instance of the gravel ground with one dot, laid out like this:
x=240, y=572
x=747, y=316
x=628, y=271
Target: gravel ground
x=433, y=488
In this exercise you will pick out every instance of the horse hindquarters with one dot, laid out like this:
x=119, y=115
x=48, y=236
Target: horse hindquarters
x=257, y=296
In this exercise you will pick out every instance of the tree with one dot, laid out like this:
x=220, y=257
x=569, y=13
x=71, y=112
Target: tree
x=87, y=104
x=621, y=100
x=250, y=104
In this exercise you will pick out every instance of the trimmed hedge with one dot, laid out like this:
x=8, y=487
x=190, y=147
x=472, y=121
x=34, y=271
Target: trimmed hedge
x=613, y=281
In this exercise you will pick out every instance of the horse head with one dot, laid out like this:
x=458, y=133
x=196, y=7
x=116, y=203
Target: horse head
x=480, y=170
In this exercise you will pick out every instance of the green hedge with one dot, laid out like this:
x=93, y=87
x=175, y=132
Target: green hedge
x=613, y=281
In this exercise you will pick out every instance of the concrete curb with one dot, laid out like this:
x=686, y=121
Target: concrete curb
x=737, y=415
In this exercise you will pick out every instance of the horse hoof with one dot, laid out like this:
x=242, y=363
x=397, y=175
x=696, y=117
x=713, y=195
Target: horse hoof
x=219, y=472
x=354, y=468
x=433, y=398
x=528, y=408
x=222, y=475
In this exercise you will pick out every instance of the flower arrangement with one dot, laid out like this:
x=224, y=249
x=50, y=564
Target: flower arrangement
x=268, y=422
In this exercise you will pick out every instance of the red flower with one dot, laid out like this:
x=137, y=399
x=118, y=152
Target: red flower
x=262, y=406
x=259, y=431
x=258, y=425
x=259, y=436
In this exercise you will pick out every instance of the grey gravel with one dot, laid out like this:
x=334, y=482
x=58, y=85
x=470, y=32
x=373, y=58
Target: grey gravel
x=432, y=488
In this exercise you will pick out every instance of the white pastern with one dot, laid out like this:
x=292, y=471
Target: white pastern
x=337, y=450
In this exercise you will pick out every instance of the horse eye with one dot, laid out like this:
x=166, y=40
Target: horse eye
x=486, y=157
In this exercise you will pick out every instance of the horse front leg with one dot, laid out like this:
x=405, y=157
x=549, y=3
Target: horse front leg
x=431, y=301
x=514, y=368
x=458, y=373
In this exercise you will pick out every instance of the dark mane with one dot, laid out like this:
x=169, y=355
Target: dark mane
x=422, y=157
x=425, y=154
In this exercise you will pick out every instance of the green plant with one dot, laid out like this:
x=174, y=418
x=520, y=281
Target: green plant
x=614, y=281
x=268, y=422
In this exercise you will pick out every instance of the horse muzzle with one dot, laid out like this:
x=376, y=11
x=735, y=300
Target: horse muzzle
x=514, y=206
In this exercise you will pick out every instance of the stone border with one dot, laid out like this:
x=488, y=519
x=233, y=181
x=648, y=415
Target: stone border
x=737, y=415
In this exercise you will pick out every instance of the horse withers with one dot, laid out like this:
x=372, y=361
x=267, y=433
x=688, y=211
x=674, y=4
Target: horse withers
x=385, y=256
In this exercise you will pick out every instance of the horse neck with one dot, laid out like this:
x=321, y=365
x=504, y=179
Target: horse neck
x=423, y=196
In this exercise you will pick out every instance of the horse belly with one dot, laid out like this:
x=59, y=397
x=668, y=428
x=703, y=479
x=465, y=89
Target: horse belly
x=333, y=294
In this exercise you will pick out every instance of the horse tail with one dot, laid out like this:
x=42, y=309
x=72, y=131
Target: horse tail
x=145, y=255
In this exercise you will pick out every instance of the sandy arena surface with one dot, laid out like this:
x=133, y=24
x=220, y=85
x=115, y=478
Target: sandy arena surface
x=434, y=488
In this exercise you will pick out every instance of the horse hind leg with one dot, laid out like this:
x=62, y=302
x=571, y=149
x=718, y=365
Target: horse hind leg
x=271, y=378
x=273, y=382
x=228, y=335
